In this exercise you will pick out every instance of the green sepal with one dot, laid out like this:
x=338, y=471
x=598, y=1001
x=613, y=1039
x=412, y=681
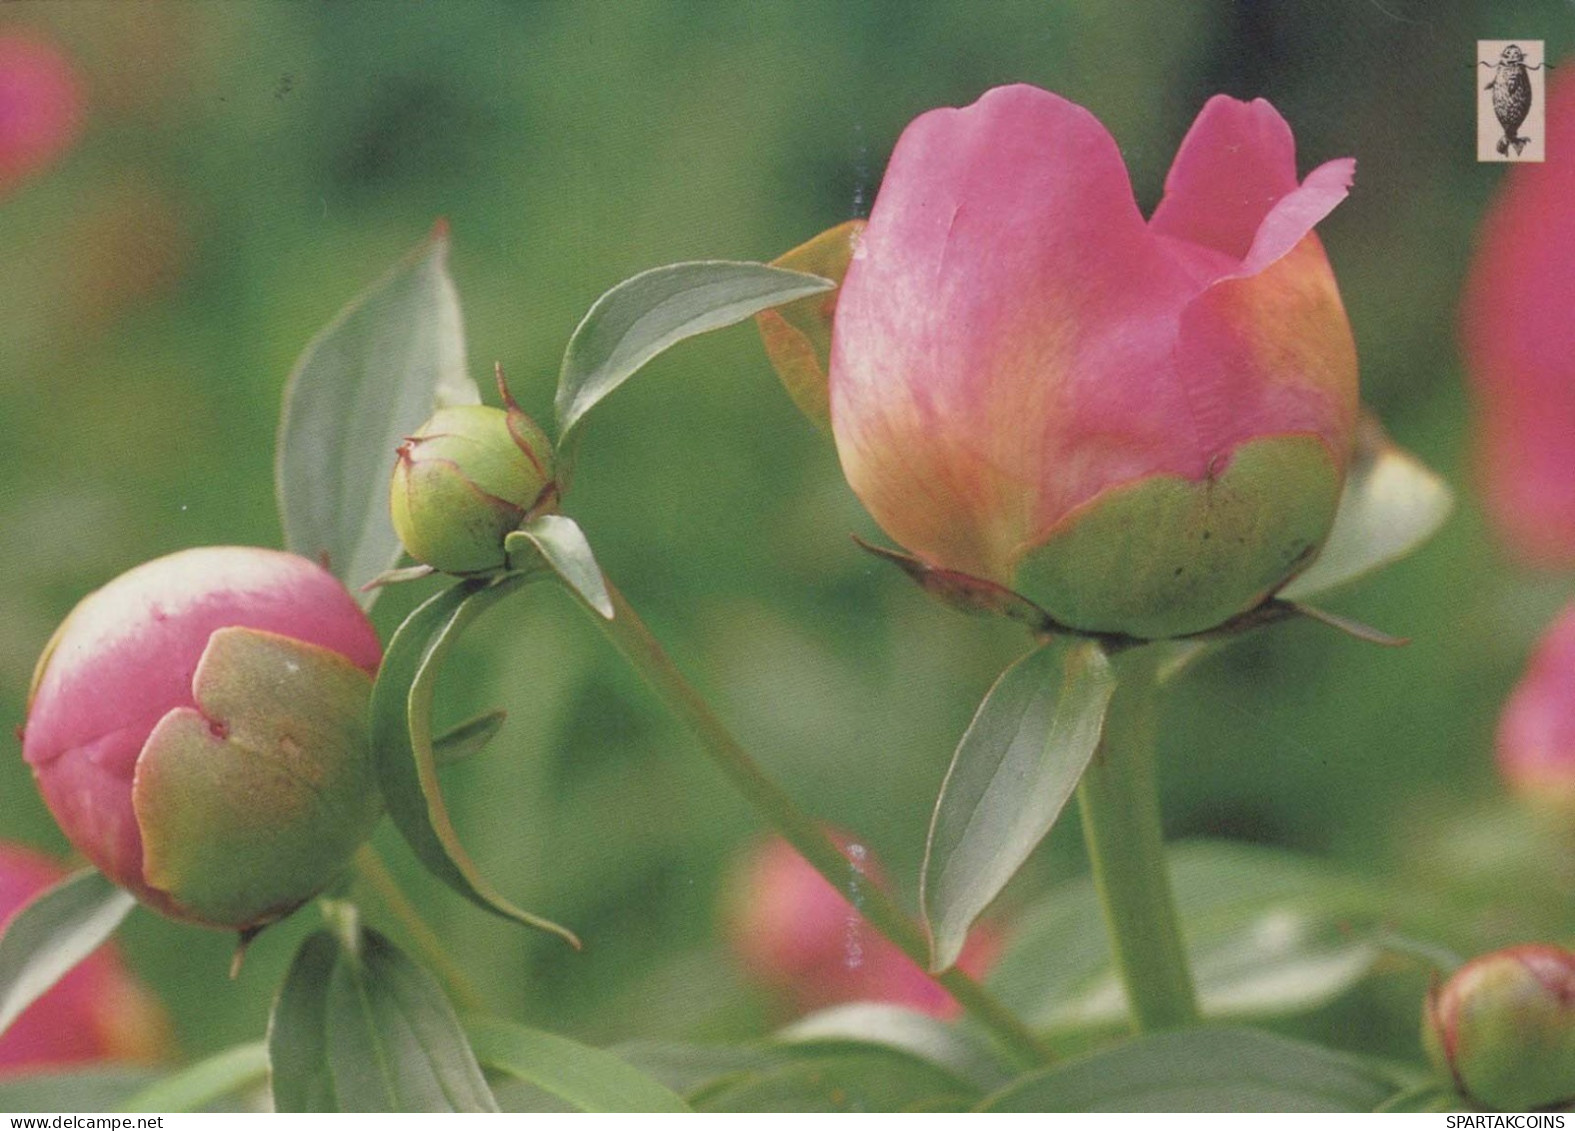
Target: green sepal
x=252, y=801
x=797, y=335
x=1167, y=556
x=556, y=542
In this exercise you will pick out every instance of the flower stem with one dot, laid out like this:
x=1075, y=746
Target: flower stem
x=1119, y=799
x=635, y=641
x=369, y=867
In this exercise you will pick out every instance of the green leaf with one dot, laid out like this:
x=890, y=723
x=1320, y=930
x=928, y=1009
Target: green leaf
x=1392, y=503
x=91, y=1089
x=963, y=1052
x=1202, y=1070
x=375, y=374
x=54, y=931
x=470, y=737
x=1014, y=770
x=402, y=749
x=657, y=309
x=394, y=1043
x=298, y=1030
x=588, y=1078
x=557, y=542
x=1267, y=932
x=195, y=1087
x=866, y=1079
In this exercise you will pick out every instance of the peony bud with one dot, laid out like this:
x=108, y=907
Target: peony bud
x=40, y=107
x=465, y=480
x=97, y=1012
x=1503, y=1028
x=1536, y=732
x=198, y=728
x=803, y=938
x=1144, y=427
x=1519, y=344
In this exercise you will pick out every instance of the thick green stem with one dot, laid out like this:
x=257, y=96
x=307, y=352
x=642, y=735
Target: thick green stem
x=1119, y=799
x=645, y=653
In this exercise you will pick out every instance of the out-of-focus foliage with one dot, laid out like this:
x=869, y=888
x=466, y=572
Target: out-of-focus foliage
x=244, y=168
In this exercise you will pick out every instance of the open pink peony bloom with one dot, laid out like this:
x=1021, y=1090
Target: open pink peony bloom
x=806, y=940
x=1144, y=426
x=198, y=728
x=97, y=1012
x=1536, y=732
x=1519, y=340
x=40, y=106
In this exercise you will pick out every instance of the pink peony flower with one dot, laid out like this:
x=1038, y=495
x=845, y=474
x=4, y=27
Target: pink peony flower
x=40, y=106
x=198, y=728
x=97, y=1012
x=1143, y=426
x=1519, y=341
x=1536, y=732
x=803, y=938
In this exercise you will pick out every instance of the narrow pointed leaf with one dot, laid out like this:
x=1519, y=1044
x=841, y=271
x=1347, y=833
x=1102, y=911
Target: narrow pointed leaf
x=374, y=375
x=298, y=1030
x=1203, y=1070
x=394, y=1043
x=53, y=932
x=588, y=1078
x=657, y=309
x=556, y=541
x=1392, y=504
x=402, y=751
x=195, y=1087
x=467, y=738
x=1014, y=770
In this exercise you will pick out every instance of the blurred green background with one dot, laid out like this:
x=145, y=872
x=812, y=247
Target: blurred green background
x=247, y=167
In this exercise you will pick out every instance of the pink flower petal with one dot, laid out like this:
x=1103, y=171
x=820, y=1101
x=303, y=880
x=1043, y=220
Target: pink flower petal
x=1006, y=296
x=40, y=106
x=1234, y=165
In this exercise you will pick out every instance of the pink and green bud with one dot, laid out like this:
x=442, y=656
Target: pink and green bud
x=198, y=729
x=465, y=480
x=96, y=1013
x=1518, y=338
x=1503, y=1028
x=40, y=106
x=1144, y=426
x=1536, y=732
x=807, y=942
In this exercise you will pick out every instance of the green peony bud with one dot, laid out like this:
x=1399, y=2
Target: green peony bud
x=465, y=480
x=1503, y=1028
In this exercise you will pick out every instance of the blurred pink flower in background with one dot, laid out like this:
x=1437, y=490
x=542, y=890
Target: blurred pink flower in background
x=805, y=939
x=40, y=105
x=97, y=1012
x=1536, y=733
x=1518, y=334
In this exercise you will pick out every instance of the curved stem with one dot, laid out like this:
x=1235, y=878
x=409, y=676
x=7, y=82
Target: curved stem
x=632, y=638
x=369, y=867
x=1119, y=799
